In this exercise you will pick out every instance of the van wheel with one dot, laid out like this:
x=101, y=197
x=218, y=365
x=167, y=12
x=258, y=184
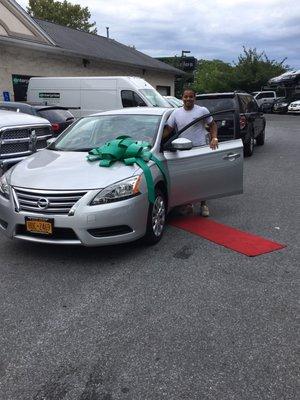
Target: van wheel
x=260, y=139
x=156, y=219
x=249, y=146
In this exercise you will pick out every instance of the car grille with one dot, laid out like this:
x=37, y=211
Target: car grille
x=58, y=233
x=16, y=134
x=23, y=141
x=11, y=148
x=47, y=202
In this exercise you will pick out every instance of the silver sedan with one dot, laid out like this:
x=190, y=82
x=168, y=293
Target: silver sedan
x=57, y=196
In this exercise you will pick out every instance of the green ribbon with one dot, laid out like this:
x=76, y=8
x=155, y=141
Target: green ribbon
x=125, y=149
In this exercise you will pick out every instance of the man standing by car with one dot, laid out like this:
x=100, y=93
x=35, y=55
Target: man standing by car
x=197, y=133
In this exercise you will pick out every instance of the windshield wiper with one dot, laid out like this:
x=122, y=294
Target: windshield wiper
x=79, y=150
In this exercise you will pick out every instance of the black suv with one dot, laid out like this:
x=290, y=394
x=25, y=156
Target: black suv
x=59, y=117
x=246, y=121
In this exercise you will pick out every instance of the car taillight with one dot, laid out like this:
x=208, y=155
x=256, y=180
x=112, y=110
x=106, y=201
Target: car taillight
x=55, y=127
x=243, y=121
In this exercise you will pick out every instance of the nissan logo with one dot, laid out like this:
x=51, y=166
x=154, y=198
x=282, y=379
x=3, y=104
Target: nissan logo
x=43, y=203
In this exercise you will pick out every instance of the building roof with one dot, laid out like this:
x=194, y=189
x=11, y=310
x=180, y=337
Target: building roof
x=93, y=46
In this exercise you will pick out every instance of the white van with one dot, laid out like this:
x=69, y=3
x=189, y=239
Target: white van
x=88, y=95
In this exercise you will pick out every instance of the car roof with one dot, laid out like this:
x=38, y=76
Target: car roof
x=12, y=118
x=225, y=94
x=36, y=106
x=136, y=111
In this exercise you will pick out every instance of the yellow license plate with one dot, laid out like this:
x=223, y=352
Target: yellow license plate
x=44, y=226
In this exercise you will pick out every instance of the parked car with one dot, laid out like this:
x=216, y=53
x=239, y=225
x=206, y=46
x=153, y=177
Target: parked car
x=173, y=101
x=294, y=107
x=246, y=121
x=21, y=135
x=281, y=105
x=59, y=117
x=267, y=96
x=57, y=196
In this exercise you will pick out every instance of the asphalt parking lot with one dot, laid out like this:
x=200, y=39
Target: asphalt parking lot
x=185, y=319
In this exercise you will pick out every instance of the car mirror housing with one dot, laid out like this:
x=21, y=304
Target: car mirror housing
x=181, y=144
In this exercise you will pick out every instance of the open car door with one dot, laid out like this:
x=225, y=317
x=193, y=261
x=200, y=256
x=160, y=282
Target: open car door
x=202, y=173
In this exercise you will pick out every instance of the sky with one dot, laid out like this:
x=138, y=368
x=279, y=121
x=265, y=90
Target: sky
x=209, y=29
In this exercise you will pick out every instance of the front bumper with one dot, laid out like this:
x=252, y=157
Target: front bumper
x=294, y=110
x=118, y=222
x=282, y=109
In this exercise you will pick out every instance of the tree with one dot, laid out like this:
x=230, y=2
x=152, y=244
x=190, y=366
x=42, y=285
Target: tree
x=254, y=69
x=213, y=76
x=63, y=13
x=250, y=73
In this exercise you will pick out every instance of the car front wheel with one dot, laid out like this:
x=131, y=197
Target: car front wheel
x=156, y=219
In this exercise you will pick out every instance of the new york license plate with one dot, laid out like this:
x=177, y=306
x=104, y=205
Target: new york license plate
x=39, y=225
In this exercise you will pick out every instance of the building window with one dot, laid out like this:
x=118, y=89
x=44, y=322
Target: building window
x=164, y=90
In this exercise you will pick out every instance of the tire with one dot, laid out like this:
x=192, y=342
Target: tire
x=260, y=139
x=156, y=219
x=249, y=146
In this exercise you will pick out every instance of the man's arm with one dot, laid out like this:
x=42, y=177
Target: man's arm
x=167, y=132
x=213, y=133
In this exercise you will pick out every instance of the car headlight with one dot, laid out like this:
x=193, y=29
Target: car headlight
x=284, y=104
x=119, y=191
x=4, y=187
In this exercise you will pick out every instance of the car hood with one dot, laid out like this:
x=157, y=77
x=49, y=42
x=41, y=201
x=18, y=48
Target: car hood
x=13, y=119
x=295, y=103
x=56, y=170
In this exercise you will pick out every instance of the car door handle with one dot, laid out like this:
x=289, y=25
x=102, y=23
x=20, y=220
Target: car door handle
x=232, y=156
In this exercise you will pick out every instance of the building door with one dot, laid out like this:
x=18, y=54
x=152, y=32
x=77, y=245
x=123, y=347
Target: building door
x=20, y=85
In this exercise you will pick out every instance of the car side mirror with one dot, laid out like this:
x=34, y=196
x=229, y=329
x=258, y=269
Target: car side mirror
x=50, y=141
x=181, y=144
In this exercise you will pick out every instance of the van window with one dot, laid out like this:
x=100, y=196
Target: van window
x=139, y=101
x=131, y=99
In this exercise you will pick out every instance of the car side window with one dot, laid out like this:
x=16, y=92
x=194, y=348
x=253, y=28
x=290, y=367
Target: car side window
x=253, y=107
x=246, y=104
x=243, y=104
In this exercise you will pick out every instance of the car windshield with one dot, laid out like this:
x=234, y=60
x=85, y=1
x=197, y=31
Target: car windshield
x=216, y=103
x=155, y=98
x=91, y=132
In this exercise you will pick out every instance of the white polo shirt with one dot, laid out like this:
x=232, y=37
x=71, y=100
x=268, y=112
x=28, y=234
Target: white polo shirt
x=196, y=133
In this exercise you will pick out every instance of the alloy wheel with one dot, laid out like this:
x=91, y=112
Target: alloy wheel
x=158, y=216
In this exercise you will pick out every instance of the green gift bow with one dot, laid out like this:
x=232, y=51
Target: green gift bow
x=125, y=149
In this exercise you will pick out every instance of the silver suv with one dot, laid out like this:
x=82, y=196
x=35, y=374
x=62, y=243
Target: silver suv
x=21, y=135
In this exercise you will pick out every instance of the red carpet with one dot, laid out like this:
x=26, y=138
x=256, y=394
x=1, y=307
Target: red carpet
x=233, y=239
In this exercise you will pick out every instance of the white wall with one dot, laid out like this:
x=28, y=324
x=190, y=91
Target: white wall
x=17, y=60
